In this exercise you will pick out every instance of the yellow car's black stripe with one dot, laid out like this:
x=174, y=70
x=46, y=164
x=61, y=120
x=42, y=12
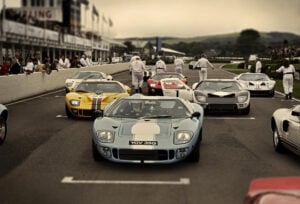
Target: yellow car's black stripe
x=94, y=103
x=99, y=103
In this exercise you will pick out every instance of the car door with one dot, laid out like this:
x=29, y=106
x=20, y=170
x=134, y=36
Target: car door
x=176, y=87
x=294, y=128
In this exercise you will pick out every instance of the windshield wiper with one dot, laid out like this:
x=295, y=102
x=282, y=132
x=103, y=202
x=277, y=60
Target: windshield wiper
x=226, y=87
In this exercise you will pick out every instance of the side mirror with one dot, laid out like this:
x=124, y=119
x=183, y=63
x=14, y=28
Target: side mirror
x=194, y=86
x=196, y=115
x=71, y=89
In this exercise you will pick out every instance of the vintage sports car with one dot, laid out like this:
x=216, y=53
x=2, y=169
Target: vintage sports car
x=176, y=87
x=222, y=95
x=257, y=83
x=3, y=123
x=72, y=82
x=285, y=124
x=154, y=85
x=146, y=129
x=149, y=72
x=276, y=190
x=92, y=95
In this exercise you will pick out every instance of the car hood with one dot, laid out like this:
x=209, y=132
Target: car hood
x=145, y=128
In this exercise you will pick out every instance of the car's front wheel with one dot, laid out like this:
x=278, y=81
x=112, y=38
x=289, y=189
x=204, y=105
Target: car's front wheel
x=68, y=113
x=246, y=111
x=3, y=129
x=96, y=155
x=195, y=154
x=278, y=146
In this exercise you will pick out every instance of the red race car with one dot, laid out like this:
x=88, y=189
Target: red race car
x=154, y=84
x=277, y=190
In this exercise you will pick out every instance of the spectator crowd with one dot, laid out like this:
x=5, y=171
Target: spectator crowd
x=17, y=64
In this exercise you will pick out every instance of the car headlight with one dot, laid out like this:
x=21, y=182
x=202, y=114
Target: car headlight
x=182, y=137
x=152, y=85
x=242, y=99
x=75, y=102
x=201, y=98
x=106, y=136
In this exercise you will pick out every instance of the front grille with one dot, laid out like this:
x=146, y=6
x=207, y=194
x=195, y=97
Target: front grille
x=222, y=107
x=136, y=154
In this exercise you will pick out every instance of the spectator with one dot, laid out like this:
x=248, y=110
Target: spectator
x=62, y=63
x=16, y=68
x=75, y=63
x=5, y=67
x=83, y=61
x=29, y=68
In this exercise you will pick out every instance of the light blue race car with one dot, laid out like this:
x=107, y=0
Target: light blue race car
x=3, y=123
x=148, y=129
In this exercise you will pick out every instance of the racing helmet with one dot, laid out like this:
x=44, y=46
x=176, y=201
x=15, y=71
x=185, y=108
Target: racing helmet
x=136, y=106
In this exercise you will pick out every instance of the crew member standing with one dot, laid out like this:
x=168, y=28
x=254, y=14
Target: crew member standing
x=203, y=65
x=137, y=68
x=288, y=71
x=160, y=65
x=178, y=62
x=258, y=66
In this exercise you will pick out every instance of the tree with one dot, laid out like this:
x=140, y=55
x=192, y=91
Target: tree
x=130, y=46
x=248, y=42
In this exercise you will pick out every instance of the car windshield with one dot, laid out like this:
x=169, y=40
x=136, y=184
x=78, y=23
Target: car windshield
x=148, y=108
x=166, y=75
x=88, y=75
x=102, y=87
x=225, y=86
x=254, y=77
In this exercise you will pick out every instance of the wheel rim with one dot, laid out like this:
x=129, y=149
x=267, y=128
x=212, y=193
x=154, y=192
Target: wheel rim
x=2, y=129
x=275, y=138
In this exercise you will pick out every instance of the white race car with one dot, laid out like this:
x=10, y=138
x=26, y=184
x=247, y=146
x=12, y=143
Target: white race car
x=285, y=124
x=83, y=75
x=257, y=83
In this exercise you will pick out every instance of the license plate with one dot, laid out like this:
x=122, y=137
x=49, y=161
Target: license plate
x=155, y=143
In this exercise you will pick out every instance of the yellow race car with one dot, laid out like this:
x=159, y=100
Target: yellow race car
x=91, y=96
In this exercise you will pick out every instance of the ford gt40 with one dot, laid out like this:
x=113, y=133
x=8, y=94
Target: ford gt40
x=91, y=96
x=148, y=129
x=285, y=124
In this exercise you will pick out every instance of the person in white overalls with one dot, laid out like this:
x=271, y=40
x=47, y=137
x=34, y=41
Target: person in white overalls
x=137, y=68
x=160, y=65
x=288, y=71
x=203, y=65
x=178, y=62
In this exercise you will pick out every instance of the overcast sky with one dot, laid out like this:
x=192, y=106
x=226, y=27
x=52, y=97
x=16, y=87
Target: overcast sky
x=190, y=18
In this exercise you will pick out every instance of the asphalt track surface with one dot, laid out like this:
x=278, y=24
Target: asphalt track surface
x=47, y=158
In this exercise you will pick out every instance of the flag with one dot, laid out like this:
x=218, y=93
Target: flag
x=95, y=12
x=110, y=23
x=104, y=19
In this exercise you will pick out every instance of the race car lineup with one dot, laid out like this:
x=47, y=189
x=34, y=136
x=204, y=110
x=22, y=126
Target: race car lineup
x=114, y=137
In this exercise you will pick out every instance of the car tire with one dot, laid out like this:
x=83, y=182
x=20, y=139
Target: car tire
x=3, y=130
x=68, y=113
x=96, y=155
x=194, y=156
x=246, y=111
x=278, y=146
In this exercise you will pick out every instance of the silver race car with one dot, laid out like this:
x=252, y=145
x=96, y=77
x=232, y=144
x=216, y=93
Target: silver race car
x=148, y=129
x=3, y=123
x=222, y=95
x=257, y=83
x=285, y=124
